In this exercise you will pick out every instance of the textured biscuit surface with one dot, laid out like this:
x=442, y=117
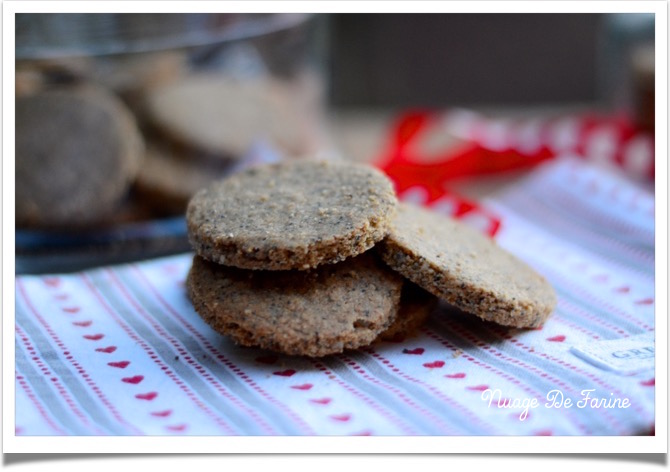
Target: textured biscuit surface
x=466, y=269
x=77, y=151
x=312, y=313
x=291, y=215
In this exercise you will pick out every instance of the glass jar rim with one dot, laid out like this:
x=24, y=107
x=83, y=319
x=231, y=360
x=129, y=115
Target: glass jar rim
x=53, y=35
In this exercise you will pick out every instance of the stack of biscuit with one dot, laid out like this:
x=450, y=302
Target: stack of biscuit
x=80, y=146
x=108, y=140
x=312, y=258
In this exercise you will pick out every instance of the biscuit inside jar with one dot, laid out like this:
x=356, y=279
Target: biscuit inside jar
x=78, y=149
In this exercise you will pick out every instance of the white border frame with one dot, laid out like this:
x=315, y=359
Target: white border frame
x=241, y=445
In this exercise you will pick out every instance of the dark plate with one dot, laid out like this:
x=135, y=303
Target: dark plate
x=41, y=251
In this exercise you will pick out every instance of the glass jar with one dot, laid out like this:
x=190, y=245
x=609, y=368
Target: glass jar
x=206, y=95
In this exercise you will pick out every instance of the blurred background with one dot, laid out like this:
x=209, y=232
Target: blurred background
x=482, y=59
x=528, y=65
x=204, y=95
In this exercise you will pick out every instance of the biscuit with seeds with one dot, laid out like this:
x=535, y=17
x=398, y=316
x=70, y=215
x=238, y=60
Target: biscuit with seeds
x=312, y=313
x=466, y=269
x=291, y=215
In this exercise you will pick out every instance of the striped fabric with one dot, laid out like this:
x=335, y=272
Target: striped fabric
x=120, y=351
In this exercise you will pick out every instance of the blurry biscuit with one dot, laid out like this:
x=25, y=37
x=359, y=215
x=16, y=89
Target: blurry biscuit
x=223, y=116
x=28, y=82
x=140, y=72
x=167, y=182
x=131, y=76
x=77, y=151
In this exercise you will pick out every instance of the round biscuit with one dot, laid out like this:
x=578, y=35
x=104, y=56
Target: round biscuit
x=167, y=182
x=77, y=151
x=467, y=269
x=291, y=215
x=222, y=116
x=311, y=313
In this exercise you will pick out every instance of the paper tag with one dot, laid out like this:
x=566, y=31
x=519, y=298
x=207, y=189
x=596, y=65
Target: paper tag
x=624, y=356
